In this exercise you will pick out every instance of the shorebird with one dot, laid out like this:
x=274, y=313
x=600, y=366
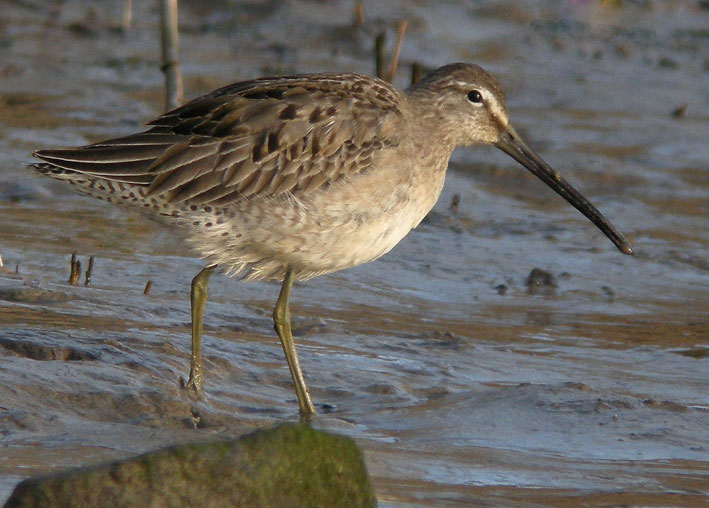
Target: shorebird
x=292, y=177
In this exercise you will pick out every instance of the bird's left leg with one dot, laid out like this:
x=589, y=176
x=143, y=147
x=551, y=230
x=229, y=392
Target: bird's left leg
x=281, y=321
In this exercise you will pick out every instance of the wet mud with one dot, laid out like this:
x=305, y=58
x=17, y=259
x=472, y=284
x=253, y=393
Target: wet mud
x=504, y=354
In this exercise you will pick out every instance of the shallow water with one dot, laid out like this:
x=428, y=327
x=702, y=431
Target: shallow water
x=462, y=385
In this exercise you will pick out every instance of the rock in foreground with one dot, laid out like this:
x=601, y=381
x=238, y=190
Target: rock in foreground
x=291, y=465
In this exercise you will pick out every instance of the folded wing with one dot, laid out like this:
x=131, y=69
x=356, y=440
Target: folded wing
x=258, y=138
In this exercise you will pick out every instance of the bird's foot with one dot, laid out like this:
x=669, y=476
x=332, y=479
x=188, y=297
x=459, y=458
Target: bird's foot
x=193, y=385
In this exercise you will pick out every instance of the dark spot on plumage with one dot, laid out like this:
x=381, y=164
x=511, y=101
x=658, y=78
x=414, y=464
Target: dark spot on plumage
x=208, y=224
x=273, y=143
x=316, y=115
x=207, y=209
x=289, y=112
x=315, y=146
x=331, y=111
x=257, y=150
x=193, y=208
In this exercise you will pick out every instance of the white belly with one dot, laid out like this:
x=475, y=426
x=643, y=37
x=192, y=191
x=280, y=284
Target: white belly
x=343, y=226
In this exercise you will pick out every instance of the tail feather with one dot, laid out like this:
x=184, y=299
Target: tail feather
x=126, y=192
x=130, y=156
x=102, y=154
x=108, y=170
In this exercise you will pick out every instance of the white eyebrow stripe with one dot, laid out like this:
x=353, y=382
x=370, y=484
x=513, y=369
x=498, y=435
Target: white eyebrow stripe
x=496, y=109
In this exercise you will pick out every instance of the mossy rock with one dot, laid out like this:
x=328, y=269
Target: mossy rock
x=290, y=465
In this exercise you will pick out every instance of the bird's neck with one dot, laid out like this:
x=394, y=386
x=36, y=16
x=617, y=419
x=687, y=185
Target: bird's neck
x=432, y=152
x=431, y=129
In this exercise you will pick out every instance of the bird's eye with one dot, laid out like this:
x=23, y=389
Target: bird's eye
x=475, y=96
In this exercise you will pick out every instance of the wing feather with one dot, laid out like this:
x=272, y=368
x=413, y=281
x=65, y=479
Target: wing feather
x=258, y=138
x=184, y=174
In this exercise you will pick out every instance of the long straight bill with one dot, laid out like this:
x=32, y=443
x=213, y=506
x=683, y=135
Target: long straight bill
x=510, y=143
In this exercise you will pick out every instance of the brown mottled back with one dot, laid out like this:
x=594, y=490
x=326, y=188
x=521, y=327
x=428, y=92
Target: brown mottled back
x=263, y=137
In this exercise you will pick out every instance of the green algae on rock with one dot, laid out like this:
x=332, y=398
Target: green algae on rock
x=287, y=465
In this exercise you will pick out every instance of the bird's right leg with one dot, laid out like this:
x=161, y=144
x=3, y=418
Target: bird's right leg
x=198, y=297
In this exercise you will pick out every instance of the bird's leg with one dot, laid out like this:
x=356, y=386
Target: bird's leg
x=198, y=297
x=281, y=321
